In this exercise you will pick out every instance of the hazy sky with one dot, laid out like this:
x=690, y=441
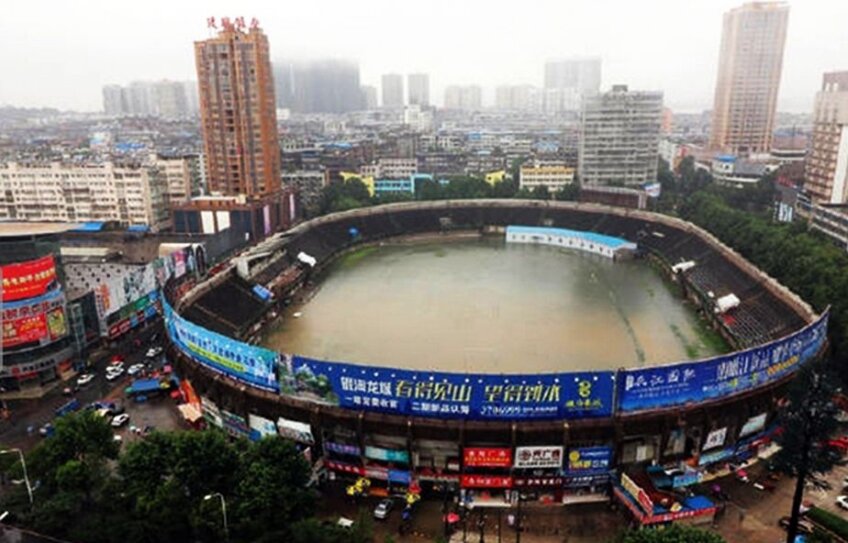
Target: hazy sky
x=60, y=53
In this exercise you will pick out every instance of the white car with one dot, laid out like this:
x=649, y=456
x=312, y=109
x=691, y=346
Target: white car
x=84, y=379
x=120, y=420
x=135, y=368
x=842, y=501
x=153, y=352
x=112, y=374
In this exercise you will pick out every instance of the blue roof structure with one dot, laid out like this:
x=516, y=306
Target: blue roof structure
x=592, y=237
x=144, y=385
x=89, y=227
x=138, y=228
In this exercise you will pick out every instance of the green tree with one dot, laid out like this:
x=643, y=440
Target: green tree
x=568, y=193
x=808, y=421
x=541, y=192
x=675, y=533
x=271, y=492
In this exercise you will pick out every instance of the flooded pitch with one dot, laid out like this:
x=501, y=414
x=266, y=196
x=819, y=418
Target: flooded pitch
x=486, y=306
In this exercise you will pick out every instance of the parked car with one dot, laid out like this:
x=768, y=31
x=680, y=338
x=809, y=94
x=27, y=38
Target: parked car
x=46, y=430
x=134, y=369
x=381, y=512
x=112, y=374
x=120, y=420
x=84, y=379
x=842, y=501
x=153, y=352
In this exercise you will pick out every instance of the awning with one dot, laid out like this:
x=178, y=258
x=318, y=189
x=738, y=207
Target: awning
x=190, y=412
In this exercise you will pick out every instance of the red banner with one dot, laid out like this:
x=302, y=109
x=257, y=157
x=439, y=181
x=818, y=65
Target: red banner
x=344, y=468
x=487, y=457
x=28, y=279
x=485, y=481
x=26, y=322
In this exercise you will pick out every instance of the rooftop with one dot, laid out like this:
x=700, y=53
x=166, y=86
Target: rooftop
x=18, y=229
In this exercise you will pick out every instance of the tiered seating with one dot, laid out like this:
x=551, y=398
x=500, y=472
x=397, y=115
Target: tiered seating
x=233, y=303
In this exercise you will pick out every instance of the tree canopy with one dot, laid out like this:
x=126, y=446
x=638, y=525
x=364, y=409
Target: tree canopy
x=675, y=533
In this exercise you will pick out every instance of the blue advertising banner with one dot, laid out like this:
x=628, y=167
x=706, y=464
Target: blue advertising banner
x=252, y=365
x=451, y=395
x=678, y=384
x=586, y=460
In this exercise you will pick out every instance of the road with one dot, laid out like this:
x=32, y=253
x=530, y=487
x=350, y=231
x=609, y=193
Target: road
x=27, y=416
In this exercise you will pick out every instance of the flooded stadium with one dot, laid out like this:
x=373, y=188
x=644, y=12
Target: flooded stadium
x=482, y=305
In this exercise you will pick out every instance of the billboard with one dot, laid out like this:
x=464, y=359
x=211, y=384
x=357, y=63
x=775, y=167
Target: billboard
x=753, y=425
x=584, y=460
x=485, y=481
x=28, y=279
x=386, y=455
x=487, y=457
x=40, y=319
x=294, y=430
x=682, y=383
x=715, y=438
x=252, y=365
x=538, y=457
x=260, y=427
x=450, y=395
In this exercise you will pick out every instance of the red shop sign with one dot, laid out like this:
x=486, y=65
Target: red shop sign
x=485, y=481
x=487, y=457
x=345, y=468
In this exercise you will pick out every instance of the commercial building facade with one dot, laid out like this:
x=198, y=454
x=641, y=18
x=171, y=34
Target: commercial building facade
x=620, y=133
x=826, y=170
x=552, y=177
x=237, y=112
x=750, y=64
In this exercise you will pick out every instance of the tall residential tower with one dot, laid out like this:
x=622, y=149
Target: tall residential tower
x=826, y=172
x=750, y=63
x=418, y=87
x=392, y=90
x=237, y=110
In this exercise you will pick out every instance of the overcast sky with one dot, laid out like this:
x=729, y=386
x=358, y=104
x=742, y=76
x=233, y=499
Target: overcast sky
x=60, y=53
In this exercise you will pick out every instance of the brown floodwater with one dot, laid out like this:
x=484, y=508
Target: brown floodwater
x=483, y=305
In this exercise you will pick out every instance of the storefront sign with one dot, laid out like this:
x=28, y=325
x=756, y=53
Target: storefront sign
x=582, y=481
x=386, y=455
x=28, y=279
x=294, y=430
x=715, y=439
x=487, y=457
x=753, y=425
x=716, y=456
x=637, y=493
x=377, y=472
x=451, y=395
x=400, y=477
x=695, y=382
x=234, y=424
x=687, y=479
x=211, y=413
x=589, y=459
x=40, y=319
x=344, y=468
x=341, y=448
x=537, y=481
x=485, y=481
x=538, y=457
x=260, y=427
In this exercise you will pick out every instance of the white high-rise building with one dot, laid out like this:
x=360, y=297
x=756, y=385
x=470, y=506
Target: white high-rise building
x=620, y=133
x=467, y=98
x=418, y=87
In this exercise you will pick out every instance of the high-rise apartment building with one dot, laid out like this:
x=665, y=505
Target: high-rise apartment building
x=392, y=90
x=418, y=86
x=318, y=86
x=467, y=98
x=826, y=171
x=580, y=74
x=167, y=99
x=750, y=62
x=518, y=98
x=237, y=111
x=369, y=96
x=620, y=133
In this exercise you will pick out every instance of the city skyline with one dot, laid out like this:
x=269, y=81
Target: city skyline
x=686, y=50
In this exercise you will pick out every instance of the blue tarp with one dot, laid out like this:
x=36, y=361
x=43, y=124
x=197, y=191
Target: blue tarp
x=144, y=385
x=138, y=228
x=89, y=227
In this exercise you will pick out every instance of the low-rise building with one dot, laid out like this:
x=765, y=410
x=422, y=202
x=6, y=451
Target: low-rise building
x=553, y=177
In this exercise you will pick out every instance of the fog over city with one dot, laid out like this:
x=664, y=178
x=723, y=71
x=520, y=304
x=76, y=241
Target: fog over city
x=60, y=54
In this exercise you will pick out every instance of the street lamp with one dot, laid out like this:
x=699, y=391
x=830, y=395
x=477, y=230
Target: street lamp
x=223, y=510
x=23, y=463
